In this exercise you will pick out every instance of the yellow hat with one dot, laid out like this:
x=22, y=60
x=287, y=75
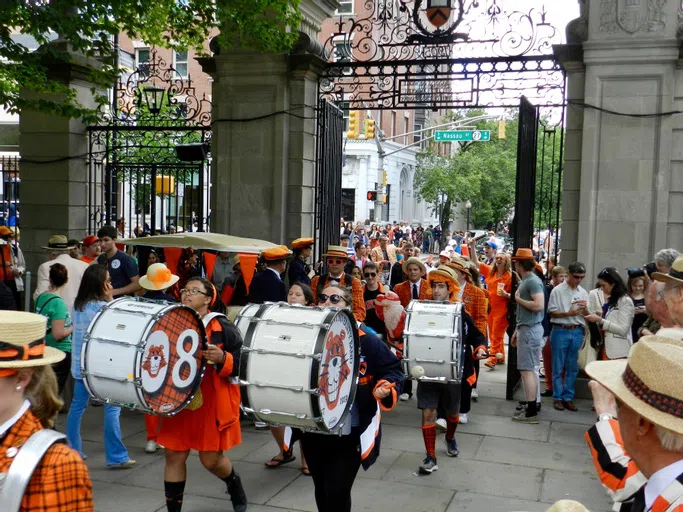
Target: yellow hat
x=277, y=253
x=158, y=277
x=302, y=243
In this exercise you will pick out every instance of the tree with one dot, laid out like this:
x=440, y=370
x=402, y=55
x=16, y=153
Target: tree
x=481, y=172
x=89, y=26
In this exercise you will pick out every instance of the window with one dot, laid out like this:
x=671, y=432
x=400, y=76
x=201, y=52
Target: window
x=348, y=203
x=417, y=137
x=406, y=129
x=142, y=62
x=180, y=58
x=393, y=123
x=345, y=7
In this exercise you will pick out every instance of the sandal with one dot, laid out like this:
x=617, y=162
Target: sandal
x=306, y=471
x=287, y=457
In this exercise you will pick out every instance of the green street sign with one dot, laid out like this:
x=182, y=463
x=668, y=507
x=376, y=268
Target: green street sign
x=462, y=136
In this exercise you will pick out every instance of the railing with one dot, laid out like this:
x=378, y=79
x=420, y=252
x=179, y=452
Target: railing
x=9, y=190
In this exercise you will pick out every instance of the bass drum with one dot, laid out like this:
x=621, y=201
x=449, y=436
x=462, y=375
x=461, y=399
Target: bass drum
x=144, y=355
x=299, y=365
x=432, y=341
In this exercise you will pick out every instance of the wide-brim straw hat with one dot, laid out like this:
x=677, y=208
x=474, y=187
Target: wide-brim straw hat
x=58, y=243
x=675, y=274
x=645, y=382
x=414, y=261
x=336, y=251
x=158, y=277
x=22, y=341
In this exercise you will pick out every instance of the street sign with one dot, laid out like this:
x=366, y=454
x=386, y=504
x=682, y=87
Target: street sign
x=462, y=136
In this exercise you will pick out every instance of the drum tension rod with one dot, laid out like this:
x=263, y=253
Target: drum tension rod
x=299, y=355
x=298, y=389
x=266, y=412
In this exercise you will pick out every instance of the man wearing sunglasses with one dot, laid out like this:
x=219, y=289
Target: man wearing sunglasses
x=372, y=289
x=444, y=284
x=336, y=259
x=267, y=286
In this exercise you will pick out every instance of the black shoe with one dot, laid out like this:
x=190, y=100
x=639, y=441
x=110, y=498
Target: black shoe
x=237, y=495
x=547, y=393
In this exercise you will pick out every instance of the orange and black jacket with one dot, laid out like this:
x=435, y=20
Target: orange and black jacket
x=60, y=483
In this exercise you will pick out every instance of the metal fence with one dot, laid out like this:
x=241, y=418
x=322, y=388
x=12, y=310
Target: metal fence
x=9, y=190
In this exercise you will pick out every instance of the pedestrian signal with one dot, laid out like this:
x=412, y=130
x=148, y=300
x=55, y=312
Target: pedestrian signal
x=372, y=195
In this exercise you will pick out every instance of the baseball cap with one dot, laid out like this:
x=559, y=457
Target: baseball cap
x=89, y=240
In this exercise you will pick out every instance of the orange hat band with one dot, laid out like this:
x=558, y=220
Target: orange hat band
x=337, y=254
x=33, y=350
x=7, y=372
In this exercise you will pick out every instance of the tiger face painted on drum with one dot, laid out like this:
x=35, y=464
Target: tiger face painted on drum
x=335, y=369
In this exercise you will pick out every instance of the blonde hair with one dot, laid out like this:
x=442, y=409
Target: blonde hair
x=42, y=392
x=508, y=263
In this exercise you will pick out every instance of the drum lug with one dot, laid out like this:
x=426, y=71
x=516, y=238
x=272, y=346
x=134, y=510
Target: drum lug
x=296, y=389
x=268, y=412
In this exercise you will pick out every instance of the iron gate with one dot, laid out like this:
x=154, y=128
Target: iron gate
x=149, y=158
x=328, y=176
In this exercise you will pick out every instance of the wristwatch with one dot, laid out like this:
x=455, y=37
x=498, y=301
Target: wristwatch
x=606, y=416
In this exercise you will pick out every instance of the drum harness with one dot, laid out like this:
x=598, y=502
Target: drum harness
x=14, y=482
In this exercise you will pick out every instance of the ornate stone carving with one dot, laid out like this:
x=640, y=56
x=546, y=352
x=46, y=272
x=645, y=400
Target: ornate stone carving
x=577, y=29
x=632, y=16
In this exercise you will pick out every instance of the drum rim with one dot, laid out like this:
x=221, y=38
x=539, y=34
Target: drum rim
x=244, y=355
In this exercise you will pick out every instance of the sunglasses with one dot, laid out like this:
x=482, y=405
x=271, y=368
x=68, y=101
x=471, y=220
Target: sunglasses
x=334, y=299
x=370, y=274
x=603, y=274
x=335, y=261
x=579, y=277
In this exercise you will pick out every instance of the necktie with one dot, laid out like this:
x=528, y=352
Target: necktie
x=416, y=294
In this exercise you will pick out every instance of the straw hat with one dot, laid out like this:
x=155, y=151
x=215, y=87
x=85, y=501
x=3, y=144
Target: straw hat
x=444, y=274
x=235, y=260
x=58, y=243
x=22, y=341
x=336, y=251
x=567, y=506
x=458, y=264
x=644, y=383
x=414, y=261
x=523, y=254
x=158, y=277
x=675, y=275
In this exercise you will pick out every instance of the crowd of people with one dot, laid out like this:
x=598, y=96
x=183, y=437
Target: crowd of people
x=556, y=325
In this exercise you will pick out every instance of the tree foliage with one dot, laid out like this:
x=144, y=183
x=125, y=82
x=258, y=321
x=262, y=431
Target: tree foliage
x=89, y=25
x=481, y=172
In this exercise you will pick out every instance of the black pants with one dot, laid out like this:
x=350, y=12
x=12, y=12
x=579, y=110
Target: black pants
x=408, y=386
x=465, y=396
x=334, y=462
x=62, y=370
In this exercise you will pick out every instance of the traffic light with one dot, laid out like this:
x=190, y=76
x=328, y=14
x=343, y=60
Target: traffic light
x=369, y=128
x=501, y=129
x=384, y=198
x=354, y=124
x=372, y=195
x=384, y=178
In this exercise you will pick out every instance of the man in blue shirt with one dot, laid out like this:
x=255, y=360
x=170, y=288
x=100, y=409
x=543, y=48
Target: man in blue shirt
x=123, y=271
x=528, y=335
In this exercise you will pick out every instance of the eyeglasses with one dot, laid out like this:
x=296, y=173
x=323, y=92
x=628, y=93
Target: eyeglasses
x=370, y=274
x=334, y=299
x=335, y=261
x=579, y=277
x=192, y=291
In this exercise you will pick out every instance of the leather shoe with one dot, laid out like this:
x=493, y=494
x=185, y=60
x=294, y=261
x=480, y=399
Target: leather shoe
x=570, y=406
x=557, y=404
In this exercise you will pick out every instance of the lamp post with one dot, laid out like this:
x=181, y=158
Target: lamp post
x=468, y=205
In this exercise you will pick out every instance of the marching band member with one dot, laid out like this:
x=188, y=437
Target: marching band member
x=336, y=258
x=334, y=460
x=58, y=481
x=444, y=284
x=299, y=269
x=267, y=285
x=214, y=427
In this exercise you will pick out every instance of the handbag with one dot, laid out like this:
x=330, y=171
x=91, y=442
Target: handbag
x=587, y=354
x=196, y=402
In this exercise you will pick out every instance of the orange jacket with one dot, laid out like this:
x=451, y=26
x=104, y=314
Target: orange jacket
x=225, y=335
x=404, y=291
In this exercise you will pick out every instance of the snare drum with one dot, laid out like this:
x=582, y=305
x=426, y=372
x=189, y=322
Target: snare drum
x=299, y=365
x=432, y=340
x=144, y=355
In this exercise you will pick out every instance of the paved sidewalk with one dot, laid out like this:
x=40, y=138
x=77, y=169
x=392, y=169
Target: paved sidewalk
x=503, y=466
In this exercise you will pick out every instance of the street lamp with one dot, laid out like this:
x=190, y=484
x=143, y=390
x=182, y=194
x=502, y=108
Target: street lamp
x=154, y=98
x=468, y=205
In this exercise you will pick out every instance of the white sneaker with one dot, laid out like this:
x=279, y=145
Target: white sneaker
x=463, y=418
x=475, y=395
x=404, y=397
x=151, y=447
x=260, y=425
x=441, y=423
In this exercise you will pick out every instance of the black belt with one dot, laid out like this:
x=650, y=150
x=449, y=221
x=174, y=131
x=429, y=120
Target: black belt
x=568, y=327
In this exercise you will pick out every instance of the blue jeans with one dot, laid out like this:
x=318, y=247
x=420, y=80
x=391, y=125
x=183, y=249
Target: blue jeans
x=115, y=451
x=565, y=344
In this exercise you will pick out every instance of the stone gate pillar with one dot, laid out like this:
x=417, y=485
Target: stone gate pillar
x=54, y=193
x=623, y=189
x=263, y=171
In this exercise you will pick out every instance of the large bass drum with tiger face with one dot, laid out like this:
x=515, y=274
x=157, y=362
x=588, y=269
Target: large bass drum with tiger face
x=299, y=365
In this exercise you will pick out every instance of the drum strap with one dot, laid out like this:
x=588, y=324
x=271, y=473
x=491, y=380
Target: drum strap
x=210, y=316
x=25, y=463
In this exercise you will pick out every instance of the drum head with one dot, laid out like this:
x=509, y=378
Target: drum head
x=172, y=364
x=338, y=372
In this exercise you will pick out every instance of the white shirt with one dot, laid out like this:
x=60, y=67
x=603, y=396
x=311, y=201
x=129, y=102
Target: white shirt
x=419, y=282
x=4, y=428
x=75, y=269
x=660, y=481
x=560, y=300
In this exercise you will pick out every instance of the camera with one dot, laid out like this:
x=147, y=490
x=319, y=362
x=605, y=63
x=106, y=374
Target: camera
x=635, y=272
x=650, y=268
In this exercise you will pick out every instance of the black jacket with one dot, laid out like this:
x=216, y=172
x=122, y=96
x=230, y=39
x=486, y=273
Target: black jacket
x=298, y=272
x=267, y=287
